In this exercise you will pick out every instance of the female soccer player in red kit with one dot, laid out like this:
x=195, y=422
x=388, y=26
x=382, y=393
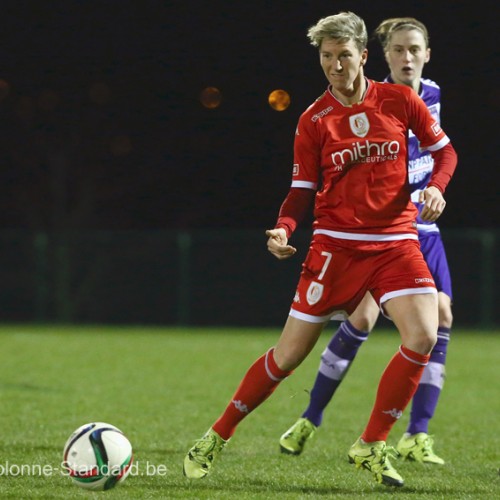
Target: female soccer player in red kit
x=350, y=157
x=405, y=41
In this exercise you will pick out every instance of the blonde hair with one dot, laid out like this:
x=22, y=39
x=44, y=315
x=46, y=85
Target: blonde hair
x=388, y=27
x=344, y=26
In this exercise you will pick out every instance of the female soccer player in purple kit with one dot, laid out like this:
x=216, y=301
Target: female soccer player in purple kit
x=405, y=42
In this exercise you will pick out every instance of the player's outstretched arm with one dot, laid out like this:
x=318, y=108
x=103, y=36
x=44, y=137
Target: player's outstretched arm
x=434, y=204
x=277, y=243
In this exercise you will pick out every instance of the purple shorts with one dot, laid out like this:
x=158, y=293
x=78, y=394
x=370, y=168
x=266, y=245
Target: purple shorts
x=432, y=249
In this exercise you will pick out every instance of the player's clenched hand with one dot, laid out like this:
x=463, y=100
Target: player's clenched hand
x=277, y=243
x=433, y=202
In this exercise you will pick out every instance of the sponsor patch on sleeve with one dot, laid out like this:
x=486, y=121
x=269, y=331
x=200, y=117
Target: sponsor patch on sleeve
x=436, y=128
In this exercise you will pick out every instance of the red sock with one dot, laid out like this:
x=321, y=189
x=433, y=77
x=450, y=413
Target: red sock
x=395, y=390
x=257, y=385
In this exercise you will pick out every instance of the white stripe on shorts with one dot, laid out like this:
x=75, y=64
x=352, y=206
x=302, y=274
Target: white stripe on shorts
x=407, y=291
x=318, y=319
x=400, y=293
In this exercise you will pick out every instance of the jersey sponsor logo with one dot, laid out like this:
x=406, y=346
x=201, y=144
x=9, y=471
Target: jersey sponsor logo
x=394, y=413
x=314, y=293
x=359, y=124
x=295, y=170
x=366, y=151
x=319, y=115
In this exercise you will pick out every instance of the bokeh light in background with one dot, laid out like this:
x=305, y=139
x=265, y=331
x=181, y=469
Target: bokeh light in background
x=211, y=97
x=279, y=100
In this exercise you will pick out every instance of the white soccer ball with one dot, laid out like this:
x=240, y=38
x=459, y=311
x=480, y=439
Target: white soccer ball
x=97, y=456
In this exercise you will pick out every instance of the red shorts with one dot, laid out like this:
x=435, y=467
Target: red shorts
x=337, y=274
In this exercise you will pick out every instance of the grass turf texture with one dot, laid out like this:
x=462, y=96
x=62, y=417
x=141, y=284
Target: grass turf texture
x=165, y=386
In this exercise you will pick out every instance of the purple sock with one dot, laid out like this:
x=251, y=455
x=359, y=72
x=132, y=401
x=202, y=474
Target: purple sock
x=335, y=361
x=427, y=395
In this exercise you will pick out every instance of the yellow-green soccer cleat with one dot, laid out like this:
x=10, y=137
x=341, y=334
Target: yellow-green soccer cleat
x=375, y=458
x=201, y=456
x=294, y=439
x=418, y=448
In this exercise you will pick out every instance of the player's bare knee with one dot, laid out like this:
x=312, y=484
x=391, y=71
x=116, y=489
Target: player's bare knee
x=422, y=341
x=444, y=309
x=363, y=323
x=288, y=359
x=445, y=316
x=427, y=341
x=366, y=314
x=430, y=342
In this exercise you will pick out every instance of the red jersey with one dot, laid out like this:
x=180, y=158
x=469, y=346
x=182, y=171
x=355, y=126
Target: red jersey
x=356, y=157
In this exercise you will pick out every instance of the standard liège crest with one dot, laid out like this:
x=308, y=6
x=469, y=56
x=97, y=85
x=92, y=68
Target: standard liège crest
x=359, y=124
x=314, y=293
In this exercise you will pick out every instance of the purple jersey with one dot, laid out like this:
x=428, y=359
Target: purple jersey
x=421, y=163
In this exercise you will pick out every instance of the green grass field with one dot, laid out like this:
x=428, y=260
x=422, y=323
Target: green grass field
x=165, y=386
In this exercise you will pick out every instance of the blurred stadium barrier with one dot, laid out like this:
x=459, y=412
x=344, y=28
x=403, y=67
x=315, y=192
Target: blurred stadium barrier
x=199, y=278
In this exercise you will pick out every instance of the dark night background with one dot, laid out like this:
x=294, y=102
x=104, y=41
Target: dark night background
x=101, y=126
